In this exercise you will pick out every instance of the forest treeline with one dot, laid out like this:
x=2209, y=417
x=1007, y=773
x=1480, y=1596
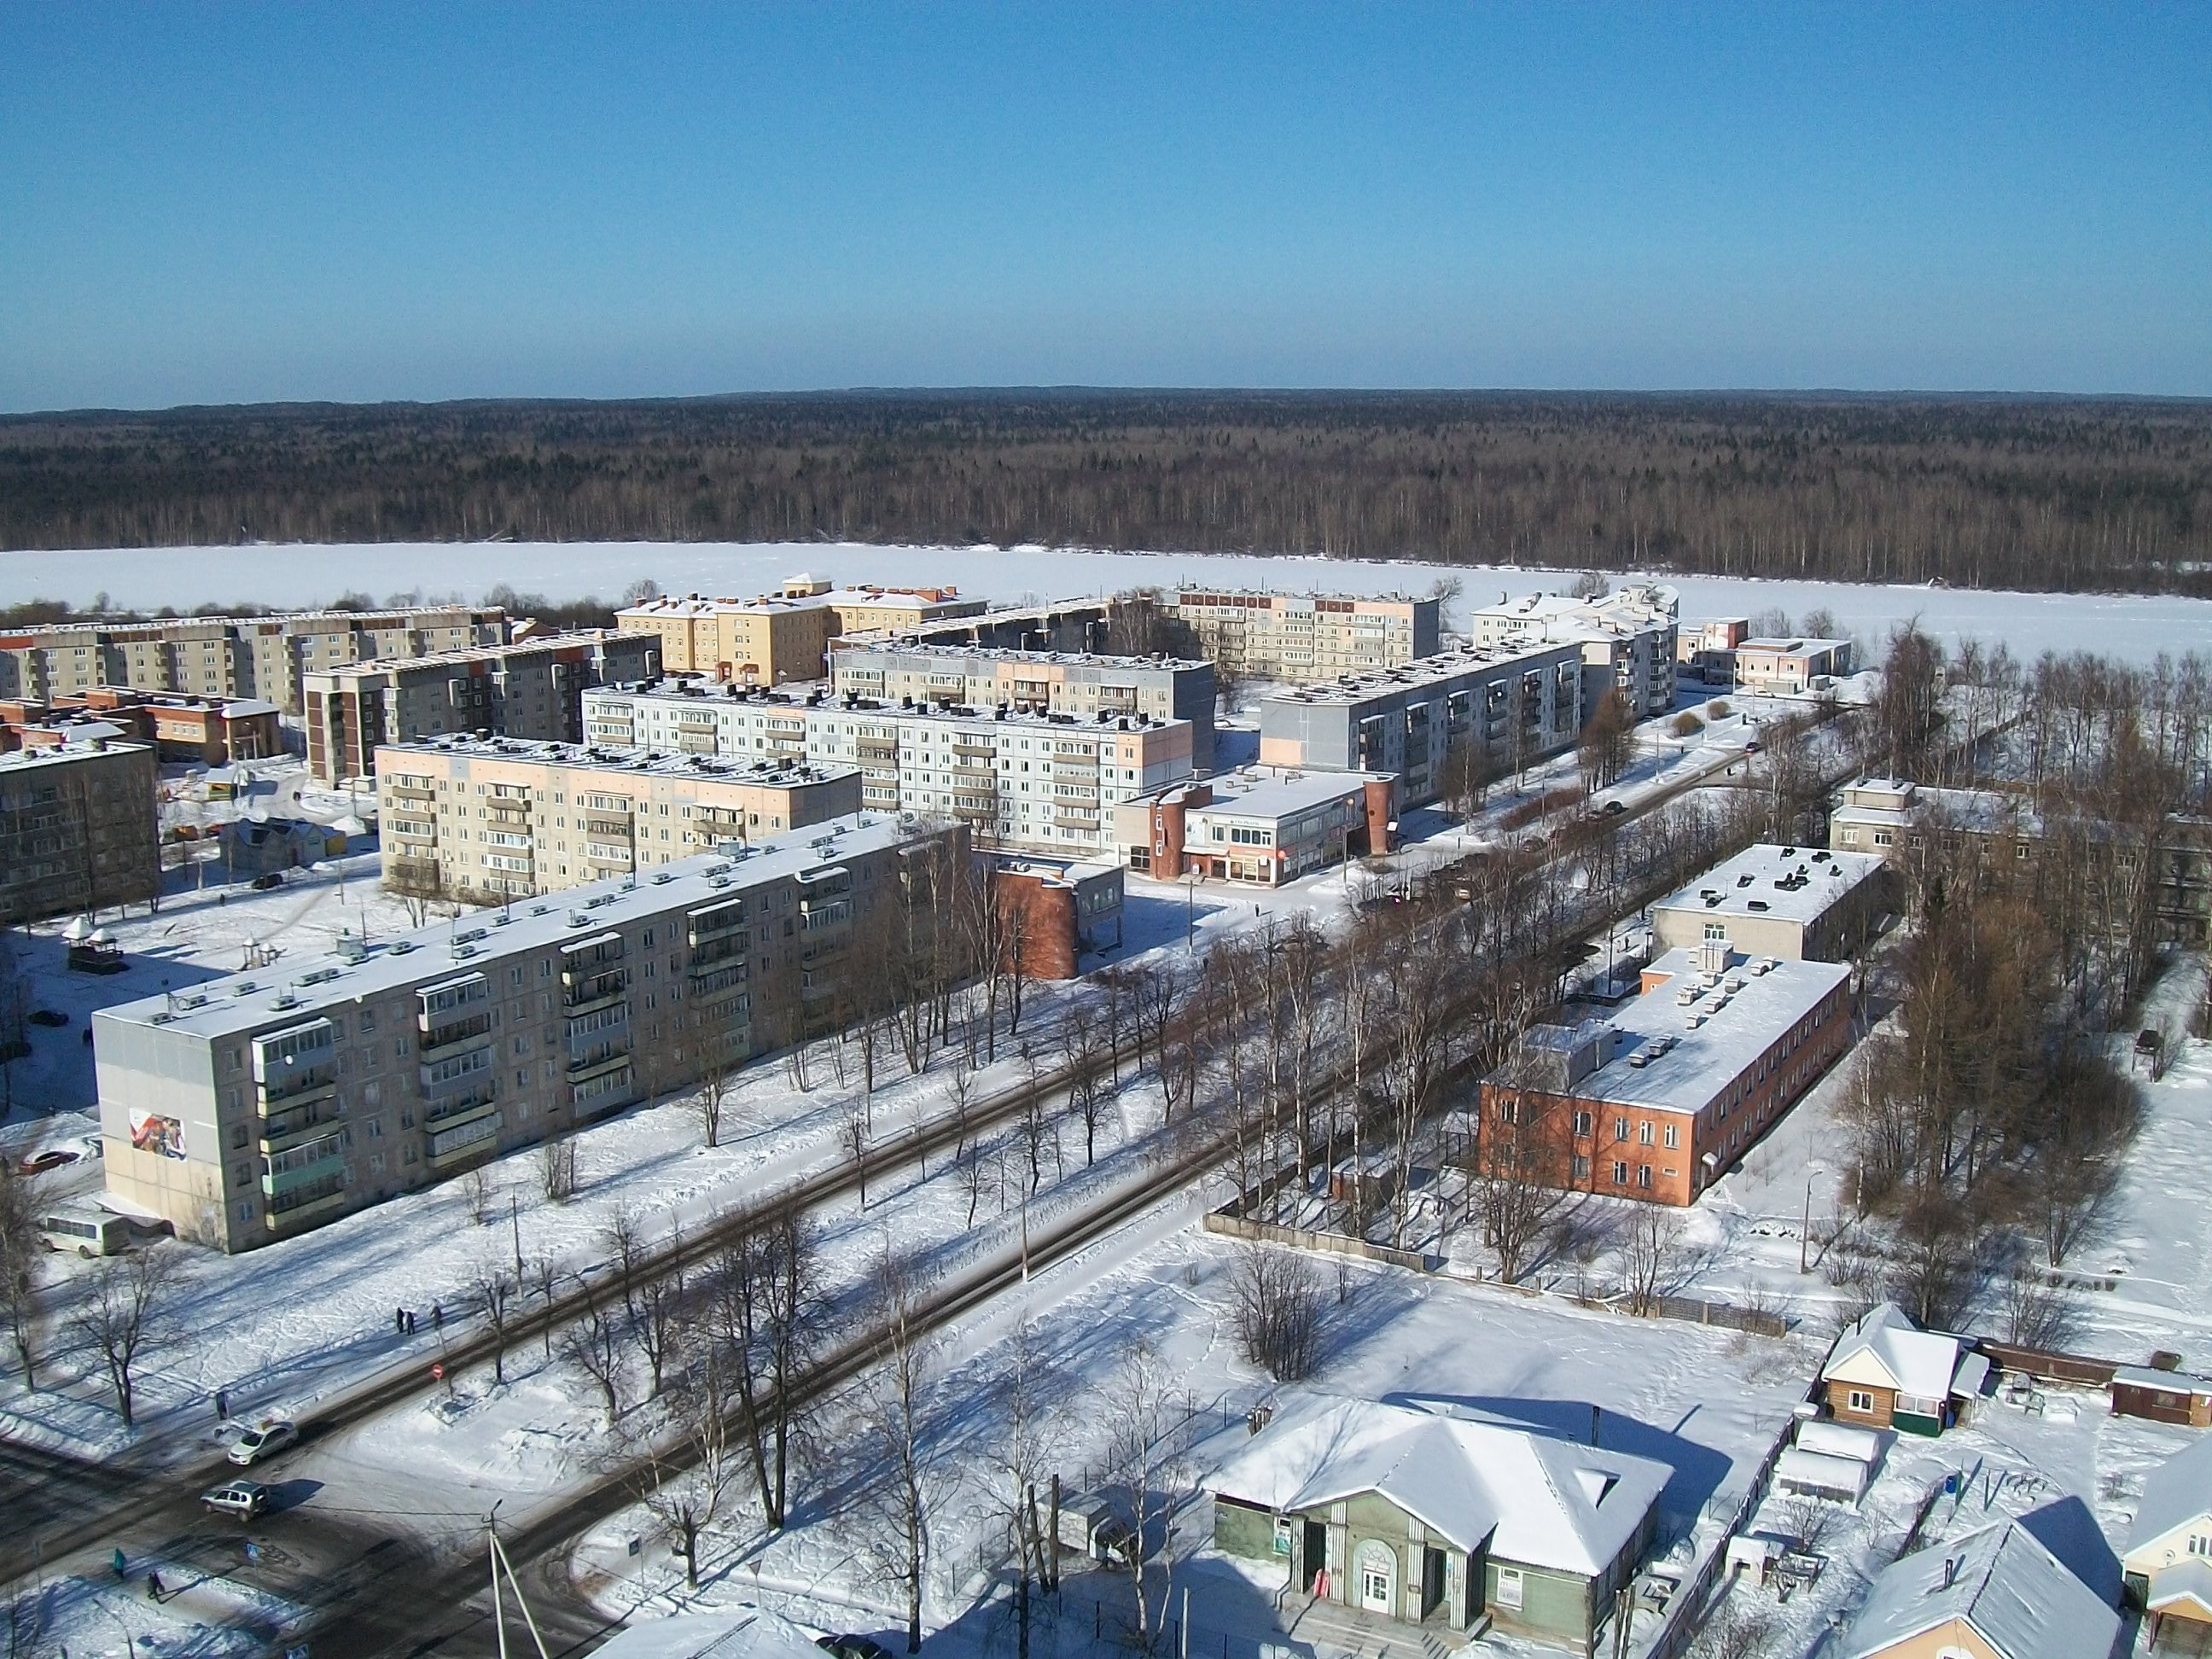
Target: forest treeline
x=1977, y=492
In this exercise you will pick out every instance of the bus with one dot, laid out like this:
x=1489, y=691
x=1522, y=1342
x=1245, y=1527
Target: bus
x=90, y=1232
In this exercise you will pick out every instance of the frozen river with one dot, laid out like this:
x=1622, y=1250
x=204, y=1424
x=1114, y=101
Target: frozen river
x=2131, y=628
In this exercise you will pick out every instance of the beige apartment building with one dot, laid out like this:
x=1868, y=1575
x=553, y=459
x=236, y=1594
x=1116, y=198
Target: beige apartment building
x=256, y=1106
x=225, y=657
x=781, y=636
x=1029, y=782
x=500, y=817
x=79, y=829
x=1299, y=638
x=531, y=690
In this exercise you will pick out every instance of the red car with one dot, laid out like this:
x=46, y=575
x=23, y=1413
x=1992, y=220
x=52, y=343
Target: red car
x=51, y=1158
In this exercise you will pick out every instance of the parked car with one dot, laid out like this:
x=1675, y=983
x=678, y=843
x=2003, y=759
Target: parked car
x=46, y=1158
x=1614, y=809
x=1752, y=748
x=853, y=1647
x=243, y=1498
x=262, y=1440
x=263, y=883
x=47, y=1017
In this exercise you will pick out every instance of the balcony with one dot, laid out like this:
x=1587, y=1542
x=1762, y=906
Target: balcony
x=434, y=1039
x=282, y=1134
x=305, y=1090
x=582, y=992
x=597, y=1063
x=313, y=1209
x=478, y=1103
x=408, y=788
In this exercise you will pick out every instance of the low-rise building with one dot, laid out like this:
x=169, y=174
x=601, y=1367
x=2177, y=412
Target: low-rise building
x=1428, y=1519
x=1657, y=1101
x=1628, y=638
x=2167, y=1563
x=1797, y=903
x=201, y=730
x=1998, y=1593
x=1261, y=825
x=532, y=689
x=783, y=636
x=228, y=657
x=1706, y=651
x=257, y=1105
x=1034, y=783
x=1053, y=914
x=1786, y=666
x=1885, y=1372
x=1505, y=706
x=496, y=817
x=79, y=829
x=1300, y=638
x=1081, y=684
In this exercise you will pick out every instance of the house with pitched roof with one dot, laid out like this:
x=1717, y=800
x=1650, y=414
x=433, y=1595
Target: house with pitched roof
x=2168, y=1563
x=1446, y=1520
x=1995, y=1594
x=1887, y=1373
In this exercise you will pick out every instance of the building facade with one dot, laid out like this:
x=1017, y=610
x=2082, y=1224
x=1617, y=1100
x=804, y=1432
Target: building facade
x=79, y=829
x=1785, y=667
x=1053, y=915
x=229, y=657
x=1628, y=639
x=1033, y=683
x=1300, y=638
x=783, y=636
x=532, y=690
x=256, y=1106
x=502, y=817
x=200, y=731
x=1801, y=904
x=1256, y=827
x=1508, y=705
x=1657, y=1103
x=1038, y=782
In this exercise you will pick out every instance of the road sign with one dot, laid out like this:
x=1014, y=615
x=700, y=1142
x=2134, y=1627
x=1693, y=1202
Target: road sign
x=437, y=1374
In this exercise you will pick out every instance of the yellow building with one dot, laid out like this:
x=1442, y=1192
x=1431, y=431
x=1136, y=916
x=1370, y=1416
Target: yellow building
x=781, y=636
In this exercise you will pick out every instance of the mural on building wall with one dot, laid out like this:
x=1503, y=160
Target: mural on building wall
x=152, y=1133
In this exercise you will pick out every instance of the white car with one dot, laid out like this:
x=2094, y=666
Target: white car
x=262, y=1440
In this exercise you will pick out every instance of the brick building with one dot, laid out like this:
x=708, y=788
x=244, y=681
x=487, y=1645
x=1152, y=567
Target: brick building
x=1258, y=825
x=201, y=730
x=1301, y=638
x=1053, y=915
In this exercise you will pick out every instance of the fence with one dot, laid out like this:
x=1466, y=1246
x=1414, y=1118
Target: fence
x=1699, y=1311
x=1306, y=1238
x=1685, y=1616
x=2051, y=1366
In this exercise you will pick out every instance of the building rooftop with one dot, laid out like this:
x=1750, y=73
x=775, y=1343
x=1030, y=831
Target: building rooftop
x=2177, y=1492
x=157, y=624
x=1778, y=884
x=1422, y=673
x=1790, y=647
x=2017, y=1596
x=887, y=641
x=703, y=604
x=1704, y=1045
x=1188, y=592
x=602, y=757
x=56, y=754
x=1254, y=794
x=258, y=997
x=534, y=644
x=800, y=695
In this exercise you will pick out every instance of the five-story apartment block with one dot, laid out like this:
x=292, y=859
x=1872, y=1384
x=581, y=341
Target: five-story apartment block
x=1299, y=638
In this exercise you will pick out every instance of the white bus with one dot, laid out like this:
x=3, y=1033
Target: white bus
x=89, y=1233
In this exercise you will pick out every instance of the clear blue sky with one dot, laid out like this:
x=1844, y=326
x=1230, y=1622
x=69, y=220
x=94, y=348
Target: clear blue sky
x=218, y=203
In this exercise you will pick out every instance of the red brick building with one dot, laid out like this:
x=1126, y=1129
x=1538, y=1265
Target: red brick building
x=204, y=731
x=1052, y=914
x=1262, y=825
x=1655, y=1102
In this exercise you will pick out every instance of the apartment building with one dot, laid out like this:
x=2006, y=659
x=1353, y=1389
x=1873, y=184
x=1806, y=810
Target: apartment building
x=263, y=657
x=502, y=817
x=256, y=1106
x=1038, y=782
x=1258, y=825
x=1630, y=638
x=1794, y=903
x=1656, y=1103
x=79, y=829
x=783, y=636
x=201, y=730
x=530, y=690
x=1783, y=667
x=1512, y=704
x=1033, y=681
x=1299, y=638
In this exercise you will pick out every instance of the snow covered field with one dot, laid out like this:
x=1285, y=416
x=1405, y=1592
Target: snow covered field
x=2134, y=629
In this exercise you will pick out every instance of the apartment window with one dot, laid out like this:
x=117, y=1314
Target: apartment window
x=1582, y=1167
x=245, y=1212
x=1717, y=931
x=1860, y=1401
x=238, y=1138
x=241, y=1174
x=1643, y=1175
x=1644, y=1135
x=1673, y=1136
x=1509, y=1586
x=1509, y=1110
x=1619, y=1174
x=1620, y=1128
x=1582, y=1123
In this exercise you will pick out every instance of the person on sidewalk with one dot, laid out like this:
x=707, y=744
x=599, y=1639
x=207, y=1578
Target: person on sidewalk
x=153, y=1584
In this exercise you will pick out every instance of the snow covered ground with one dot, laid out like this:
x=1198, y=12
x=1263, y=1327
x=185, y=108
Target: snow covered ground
x=2133, y=629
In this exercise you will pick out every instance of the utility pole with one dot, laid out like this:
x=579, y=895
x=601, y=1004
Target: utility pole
x=1805, y=1231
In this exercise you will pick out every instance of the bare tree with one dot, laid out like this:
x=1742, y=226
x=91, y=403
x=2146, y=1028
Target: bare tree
x=896, y=1435
x=658, y=1324
x=1648, y=1252
x=1278, y=1310
x=122, y=1311
x=593, y=1346
x=767, y=1317
x=2038, y=1314
x=556, y=1169
x=684, y=1483
x=21, y=1253
x=1141, y=1413
x=974, y=1176
x=625, y=1243
x=476, y=1187
x=853, y=1137
x=1514, y=1200
x=495, y=1288
x=707, y=1103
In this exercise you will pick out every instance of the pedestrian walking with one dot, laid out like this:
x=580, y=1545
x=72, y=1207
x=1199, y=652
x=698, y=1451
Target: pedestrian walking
x=437, y=1317
x=222, y=1405
x=121, y=1574
x=399, y=1320
x=154, y=1585
x=410, y=1321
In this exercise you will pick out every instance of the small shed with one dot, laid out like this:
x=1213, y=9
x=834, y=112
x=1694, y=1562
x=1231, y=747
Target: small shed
x=2162, y=1396
x=1822, y=1474
x=1840, y=1440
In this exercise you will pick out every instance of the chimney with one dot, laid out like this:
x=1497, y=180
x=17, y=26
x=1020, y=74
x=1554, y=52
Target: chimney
x=1950, y=1570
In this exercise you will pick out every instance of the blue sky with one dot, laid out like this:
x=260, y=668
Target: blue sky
x=220, y=203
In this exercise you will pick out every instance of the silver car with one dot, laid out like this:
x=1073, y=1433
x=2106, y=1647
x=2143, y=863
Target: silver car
x=262, y=1440
x=243, y=1498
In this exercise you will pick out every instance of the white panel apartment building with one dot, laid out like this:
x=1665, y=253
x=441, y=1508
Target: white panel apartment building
x=1034, y=783
x=1628, y=639
x=1299, y=638
x=256, y=1106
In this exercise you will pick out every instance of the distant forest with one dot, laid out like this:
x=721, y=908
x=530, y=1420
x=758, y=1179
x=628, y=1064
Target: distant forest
x=1977, y=492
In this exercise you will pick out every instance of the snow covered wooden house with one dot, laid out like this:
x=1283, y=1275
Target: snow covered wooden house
x=1885, y=1372
x=2168, y=1564
x=1995, y=1594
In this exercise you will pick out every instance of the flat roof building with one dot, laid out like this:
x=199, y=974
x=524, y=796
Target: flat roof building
x=1261, y=825
x=79, y=829
x=1510, y=705
x=260, y=1104
x=1628, y=639
x=1300, y=638
x=1787, y=666
x=1032, y=682
x=1053, y=913
x=1035, y=782
x=1656, y=1102
x=497, y=818
x=202, y=731
x=783, y=636
x=1795, y=903
x=532, y=689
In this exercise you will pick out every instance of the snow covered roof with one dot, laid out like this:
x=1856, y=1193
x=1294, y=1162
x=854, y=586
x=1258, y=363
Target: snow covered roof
x=1916, y=1362
x=2179, y=1491
x=2187, y=1582
x=1816, y=880
x=1543, y=1501
x=2015, y=1593
x=740, y=1632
